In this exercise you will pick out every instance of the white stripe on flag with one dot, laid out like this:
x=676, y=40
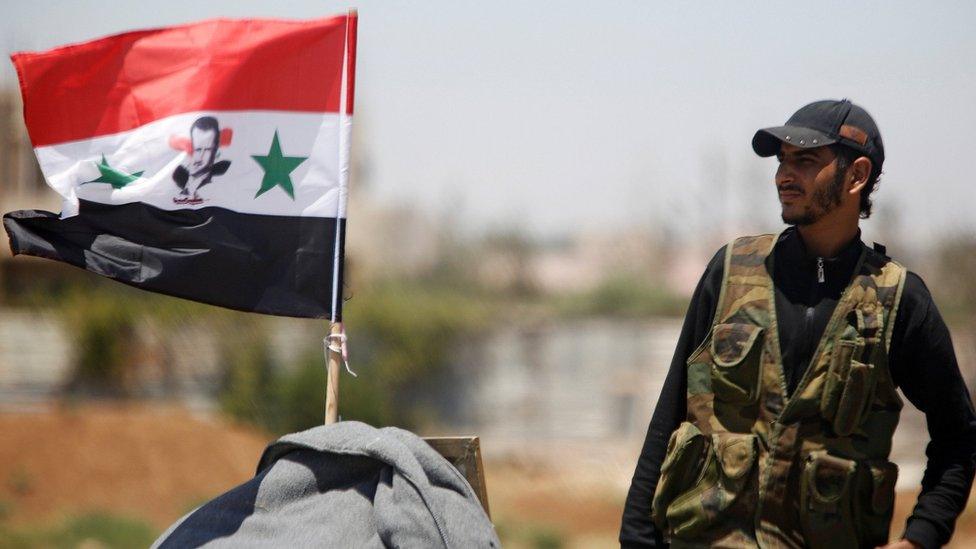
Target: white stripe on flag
x=72, y=168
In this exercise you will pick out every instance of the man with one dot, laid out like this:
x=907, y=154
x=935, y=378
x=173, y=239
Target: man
x=204, y=144
x=774, y=425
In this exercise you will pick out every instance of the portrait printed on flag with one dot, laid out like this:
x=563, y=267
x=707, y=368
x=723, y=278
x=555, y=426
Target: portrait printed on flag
x=201, y=165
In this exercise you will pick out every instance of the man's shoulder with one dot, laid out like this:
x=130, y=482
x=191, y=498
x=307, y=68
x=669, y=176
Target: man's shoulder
x=915, y=290
x=718, y=259
x=916, y=299
x=917, y=314
x=711, y=277
x=758, y=243
x=742, y=244
x=761, y=237
x=717, y=263
x=915, y=293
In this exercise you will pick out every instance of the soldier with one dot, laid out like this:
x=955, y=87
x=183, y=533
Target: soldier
x=774, y=425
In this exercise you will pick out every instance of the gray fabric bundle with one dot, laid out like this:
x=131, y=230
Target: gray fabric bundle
x=342, y=485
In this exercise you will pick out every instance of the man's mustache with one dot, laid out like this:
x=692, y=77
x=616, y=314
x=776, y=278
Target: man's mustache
x=790, y=188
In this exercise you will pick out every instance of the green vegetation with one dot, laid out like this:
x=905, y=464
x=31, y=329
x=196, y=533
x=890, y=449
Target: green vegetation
x=278, y=400
x=533, y=535
x=544, y=538
x=103, y=332
x=248, y=389
x=91, y=530
x=104, y=320
x=401, y=337
x=19, y=482
x=402, y=334
x=624, y=296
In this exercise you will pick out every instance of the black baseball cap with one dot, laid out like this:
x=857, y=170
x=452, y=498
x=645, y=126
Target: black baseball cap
x=825, y=123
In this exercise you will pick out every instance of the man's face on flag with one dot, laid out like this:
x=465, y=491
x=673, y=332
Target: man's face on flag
x=204, y=143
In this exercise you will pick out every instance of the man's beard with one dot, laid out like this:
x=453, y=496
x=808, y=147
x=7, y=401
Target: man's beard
x=824, y=199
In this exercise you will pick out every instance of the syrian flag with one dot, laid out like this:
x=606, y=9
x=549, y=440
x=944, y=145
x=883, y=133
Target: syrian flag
x=206, y=161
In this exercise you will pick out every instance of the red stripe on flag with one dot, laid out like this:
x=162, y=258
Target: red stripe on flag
x=124, y=81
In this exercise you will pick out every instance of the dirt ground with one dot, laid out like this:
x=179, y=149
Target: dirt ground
x=154, y=463
x=158, y=462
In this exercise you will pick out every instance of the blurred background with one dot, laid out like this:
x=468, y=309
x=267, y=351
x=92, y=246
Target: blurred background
x=536, y=190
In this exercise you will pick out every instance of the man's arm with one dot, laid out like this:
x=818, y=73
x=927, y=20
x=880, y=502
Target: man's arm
x=923, y=364
x=636, y=529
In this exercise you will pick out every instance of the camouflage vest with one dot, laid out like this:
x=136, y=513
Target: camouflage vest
x=752, y=467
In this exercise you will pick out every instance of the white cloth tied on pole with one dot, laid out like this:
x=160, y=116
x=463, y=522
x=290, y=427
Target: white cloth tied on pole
x=337, y=343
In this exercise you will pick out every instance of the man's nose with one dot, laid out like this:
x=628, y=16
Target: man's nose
x=783, y=174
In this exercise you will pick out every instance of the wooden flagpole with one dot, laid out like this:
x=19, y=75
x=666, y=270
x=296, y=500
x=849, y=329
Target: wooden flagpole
x=334, y=357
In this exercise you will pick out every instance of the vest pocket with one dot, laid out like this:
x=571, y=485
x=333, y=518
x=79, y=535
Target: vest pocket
x=711, y=501
x=848, y=389
x=844, y=503
x=855, y=399
x=840, y=363
x=680, y=470
x=825, y=501
x=736, y=362
x=876, y=511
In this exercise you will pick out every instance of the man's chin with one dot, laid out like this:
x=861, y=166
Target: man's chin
x=797, y=218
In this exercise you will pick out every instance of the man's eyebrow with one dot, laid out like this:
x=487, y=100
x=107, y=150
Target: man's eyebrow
x=800, y=154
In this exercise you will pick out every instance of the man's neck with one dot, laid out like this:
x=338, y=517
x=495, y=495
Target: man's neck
x=827, y=239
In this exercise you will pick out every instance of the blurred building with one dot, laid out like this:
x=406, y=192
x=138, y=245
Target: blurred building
x=586, y=379
x=38, y=354
x=22, y=184
x=590, y=258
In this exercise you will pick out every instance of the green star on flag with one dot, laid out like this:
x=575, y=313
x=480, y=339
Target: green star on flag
x=277, y=169
x=116, y=178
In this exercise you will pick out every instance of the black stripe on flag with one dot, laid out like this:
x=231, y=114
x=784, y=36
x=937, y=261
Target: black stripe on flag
x=277, y=265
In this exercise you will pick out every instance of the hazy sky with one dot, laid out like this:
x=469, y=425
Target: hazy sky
x=561, y=115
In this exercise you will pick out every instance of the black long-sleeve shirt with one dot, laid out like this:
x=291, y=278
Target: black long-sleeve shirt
x=921, y=360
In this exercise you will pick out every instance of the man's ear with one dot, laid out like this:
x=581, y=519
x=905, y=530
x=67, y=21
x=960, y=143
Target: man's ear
x=858, y=174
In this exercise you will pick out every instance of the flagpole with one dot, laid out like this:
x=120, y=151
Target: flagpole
x=336, y=340
x=332, y=387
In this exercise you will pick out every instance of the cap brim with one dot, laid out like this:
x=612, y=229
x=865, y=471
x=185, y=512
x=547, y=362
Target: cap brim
x=767, y=141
